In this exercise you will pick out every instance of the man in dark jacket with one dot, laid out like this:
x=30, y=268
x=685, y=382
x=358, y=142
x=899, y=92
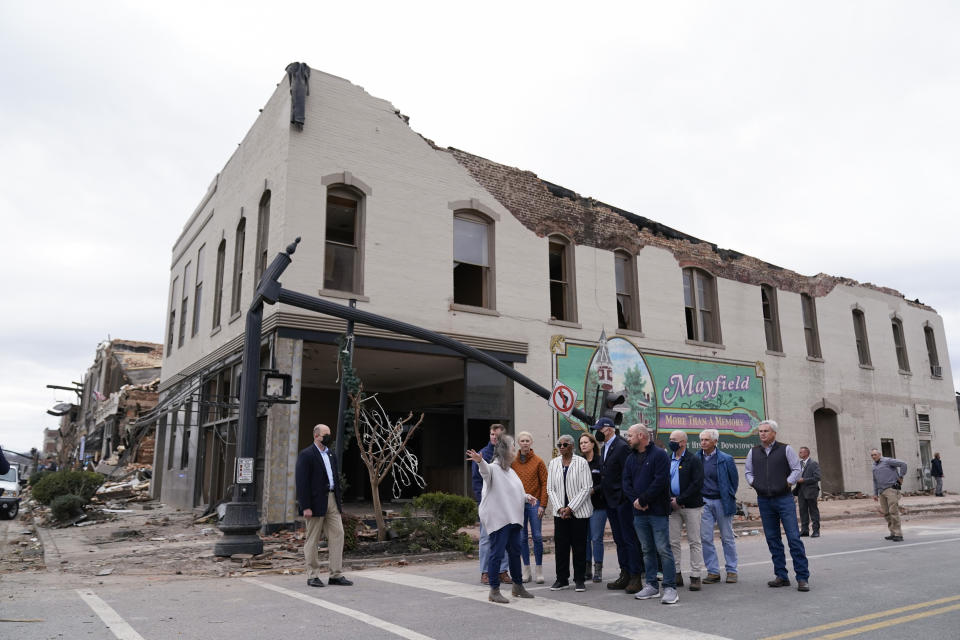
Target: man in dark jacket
x=613, y=454
x=487, y=454
x=771, y=467
x=686, y=503
x=807, y=491
x=646, y=482
x=319, y=501
x=4, y=465
x=936, y=470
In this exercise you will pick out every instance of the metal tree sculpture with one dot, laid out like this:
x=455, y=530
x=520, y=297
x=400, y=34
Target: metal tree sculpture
x=383, y=448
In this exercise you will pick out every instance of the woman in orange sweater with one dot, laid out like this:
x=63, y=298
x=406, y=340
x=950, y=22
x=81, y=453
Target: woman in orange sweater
x=533, y=473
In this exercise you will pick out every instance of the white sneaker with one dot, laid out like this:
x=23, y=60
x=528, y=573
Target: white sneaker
x=539, y=574
x=669, y=596
x=649, y=591
x=526, y=573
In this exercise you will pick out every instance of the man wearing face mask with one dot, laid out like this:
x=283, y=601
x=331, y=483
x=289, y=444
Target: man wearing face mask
x=686, y=504
x=319, y=501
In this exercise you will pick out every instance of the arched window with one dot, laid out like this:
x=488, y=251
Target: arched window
x=218, y=283
x=900, y=344
x=811, y=333
x=343, y=260
x=860, y=333
x=628, y=306
x=173, y=316
x=931, y=341
x=771, y=317
x=198, y=293
x=238, y=265
x=473, y=259
x=263, y=238
x=184, y=304
x=563, y=298
x=700, y=303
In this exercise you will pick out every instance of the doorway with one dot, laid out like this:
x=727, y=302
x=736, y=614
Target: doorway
x=828, y=449
x=926, y=454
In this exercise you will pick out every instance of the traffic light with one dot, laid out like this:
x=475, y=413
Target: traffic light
x=614, y=405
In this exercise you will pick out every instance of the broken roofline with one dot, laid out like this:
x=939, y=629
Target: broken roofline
x=524, y=197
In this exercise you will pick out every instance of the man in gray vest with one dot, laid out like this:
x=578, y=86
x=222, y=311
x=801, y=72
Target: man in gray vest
x=771, y=467
x=887, y=473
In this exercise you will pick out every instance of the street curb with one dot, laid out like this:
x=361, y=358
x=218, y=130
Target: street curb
x=51, y=552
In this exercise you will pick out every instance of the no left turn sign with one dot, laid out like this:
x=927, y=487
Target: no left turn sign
x=563, y=398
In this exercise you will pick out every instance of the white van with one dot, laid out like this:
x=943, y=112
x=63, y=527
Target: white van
x=10, y=497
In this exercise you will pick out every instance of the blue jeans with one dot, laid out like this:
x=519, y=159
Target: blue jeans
x=505, y=539
x=654, y=535
x=531, y=519
x=773, y=513
x=595, y=539
x=628, y=548
x=713, y=515
x=485, y=551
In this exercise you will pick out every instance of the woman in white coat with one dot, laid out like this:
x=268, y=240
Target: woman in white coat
x=501, y=512
x=568, y=486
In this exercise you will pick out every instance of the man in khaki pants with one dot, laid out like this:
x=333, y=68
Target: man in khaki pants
x=887, y=473
x=319, y=501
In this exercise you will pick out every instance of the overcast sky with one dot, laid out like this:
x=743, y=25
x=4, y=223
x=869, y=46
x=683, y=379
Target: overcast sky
x=820, y=136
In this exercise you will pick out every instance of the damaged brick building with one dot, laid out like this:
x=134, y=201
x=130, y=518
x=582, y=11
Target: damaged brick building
x=523, y=269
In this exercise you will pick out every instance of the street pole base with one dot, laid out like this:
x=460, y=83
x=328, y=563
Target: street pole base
x=239, y=525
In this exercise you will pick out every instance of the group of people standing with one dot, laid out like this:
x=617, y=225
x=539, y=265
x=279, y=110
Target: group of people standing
x=646, y=493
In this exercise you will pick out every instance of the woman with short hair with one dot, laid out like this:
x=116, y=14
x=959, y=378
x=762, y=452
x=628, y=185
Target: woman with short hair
x=501, y=512
x=568, y=485
x=533, y=474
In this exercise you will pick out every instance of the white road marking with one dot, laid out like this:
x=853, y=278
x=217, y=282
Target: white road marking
x=117, y=625
x=590, y=618
x=889, y=547
x=403, y=632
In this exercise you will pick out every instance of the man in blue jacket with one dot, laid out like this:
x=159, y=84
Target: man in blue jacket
x=646, y=482
x=487, y=454
x=613, y=454
x=720, y=482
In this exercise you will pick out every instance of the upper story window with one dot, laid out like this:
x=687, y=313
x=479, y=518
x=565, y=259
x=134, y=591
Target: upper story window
x=811, y=333
x=343, y=262
x=185, y=302
x=860, y=333
x=238, y=265
x=931, y=341
x=562, y=291
x=700, y=302
x=628, y=313
x=197, y=293
x=771, y=317
x=173, y=316
x=218, y=283
x=900, y=344
x=473, y=274
x=263, y=238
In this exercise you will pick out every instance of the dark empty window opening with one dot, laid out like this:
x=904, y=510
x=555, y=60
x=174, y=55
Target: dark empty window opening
x=771, y=318
x=899, y=343
x=342, y=259
x=628, y=317
x=472, y=261
x=699, y=299
x=860, y=333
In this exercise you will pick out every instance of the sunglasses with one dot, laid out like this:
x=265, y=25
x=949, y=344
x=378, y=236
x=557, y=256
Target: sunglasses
x=561, y=445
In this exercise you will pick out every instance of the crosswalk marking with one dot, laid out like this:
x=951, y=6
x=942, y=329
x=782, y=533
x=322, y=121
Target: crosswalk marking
x=403, y=632
x=117, y=625
x=594, y=619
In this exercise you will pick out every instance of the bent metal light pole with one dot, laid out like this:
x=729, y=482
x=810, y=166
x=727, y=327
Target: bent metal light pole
x=240, y=524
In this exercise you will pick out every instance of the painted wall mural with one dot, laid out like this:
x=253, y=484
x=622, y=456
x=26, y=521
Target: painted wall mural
x=665, y=392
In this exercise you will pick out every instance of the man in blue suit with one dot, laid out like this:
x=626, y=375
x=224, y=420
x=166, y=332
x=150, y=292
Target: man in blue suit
x=319, y=501
x=613, y=455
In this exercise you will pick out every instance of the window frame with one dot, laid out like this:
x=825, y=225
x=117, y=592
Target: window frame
x=900, y=344
x=344, y=191
x=811, y=332
x=218, y=283
x=263, y=239
x=693, y=315
x=197, y=292
x=237, y=281
x=628, y=260
x=770, y=309
x=568, y=283
x=933, y=357
x=861, y=338
x=171, y=326
x=488, y=274
x=184, y=305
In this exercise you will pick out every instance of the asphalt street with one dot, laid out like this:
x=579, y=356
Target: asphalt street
x=861, y=586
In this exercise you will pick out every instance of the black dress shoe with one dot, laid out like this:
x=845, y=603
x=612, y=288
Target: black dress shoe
x=314, y=582
x=804, y=534
x=888, y=537
x=340, y=582
x=816, y=534
x=896, y=538
x=778, y=582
